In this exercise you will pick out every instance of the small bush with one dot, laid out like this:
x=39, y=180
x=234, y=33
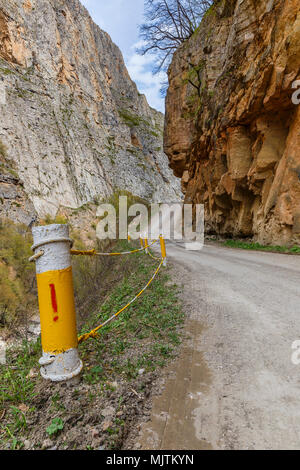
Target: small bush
x=89, y=275
x=10, y=297
x=59, y=219
x=129, y=119
x=3, y=150
x=132, y=120
x=131, y=199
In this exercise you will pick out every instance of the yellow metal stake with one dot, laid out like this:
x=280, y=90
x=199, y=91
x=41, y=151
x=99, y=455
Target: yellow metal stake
x=163, y=250
x=141, y=242
x=146, y=245
x=60, y=360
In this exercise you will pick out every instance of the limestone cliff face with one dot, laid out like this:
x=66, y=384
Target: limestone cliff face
x=232, y=132
x=73, y=126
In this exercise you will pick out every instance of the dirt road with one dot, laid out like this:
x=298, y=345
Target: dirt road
x=233, y=385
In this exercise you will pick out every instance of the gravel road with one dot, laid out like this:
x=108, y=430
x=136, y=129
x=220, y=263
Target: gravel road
x=233, y=385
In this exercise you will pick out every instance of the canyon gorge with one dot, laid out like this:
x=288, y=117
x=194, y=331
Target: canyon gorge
x=73, y=127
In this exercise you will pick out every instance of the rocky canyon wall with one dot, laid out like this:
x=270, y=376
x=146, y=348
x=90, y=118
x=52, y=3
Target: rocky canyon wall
x=232, y=132
x=73, y=126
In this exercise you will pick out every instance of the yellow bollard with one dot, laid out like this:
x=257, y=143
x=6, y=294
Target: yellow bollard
x=141, y=242
x=163, y=250
x=146, y=245
x=128, y=238
x=60, y=360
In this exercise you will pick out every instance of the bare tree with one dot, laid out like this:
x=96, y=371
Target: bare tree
x=168, y=24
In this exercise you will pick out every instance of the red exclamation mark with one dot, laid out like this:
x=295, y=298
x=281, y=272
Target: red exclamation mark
x=54, y=301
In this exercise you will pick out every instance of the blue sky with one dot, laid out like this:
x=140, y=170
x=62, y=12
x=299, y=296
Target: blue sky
x=120, y=18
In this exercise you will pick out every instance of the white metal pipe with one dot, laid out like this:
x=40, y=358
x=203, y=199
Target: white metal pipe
x=60, y=360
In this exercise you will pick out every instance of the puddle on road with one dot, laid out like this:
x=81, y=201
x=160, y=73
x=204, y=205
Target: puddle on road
x=175, y=422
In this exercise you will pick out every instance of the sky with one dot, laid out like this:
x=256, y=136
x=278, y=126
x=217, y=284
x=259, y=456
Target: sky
x=120, y=19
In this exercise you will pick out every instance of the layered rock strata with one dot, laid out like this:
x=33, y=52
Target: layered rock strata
x=73, y=126
x=232, y=129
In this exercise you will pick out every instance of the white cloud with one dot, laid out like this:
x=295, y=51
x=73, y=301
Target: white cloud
x=120, y=18
x=140, y=69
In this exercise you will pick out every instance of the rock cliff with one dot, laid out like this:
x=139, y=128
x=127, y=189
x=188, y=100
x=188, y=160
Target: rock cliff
x=232, y=132
x=73, y=126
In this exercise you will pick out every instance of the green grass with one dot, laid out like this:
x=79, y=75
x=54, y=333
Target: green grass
x=55, y=427
x=145, y=336
x=15, y=387
x=259, y=247
x=151, y=321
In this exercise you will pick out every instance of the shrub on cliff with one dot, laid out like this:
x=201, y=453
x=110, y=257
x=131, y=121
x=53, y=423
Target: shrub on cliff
x=17, y=279
x=3, y=150
x=10, y=297
x=170, y=23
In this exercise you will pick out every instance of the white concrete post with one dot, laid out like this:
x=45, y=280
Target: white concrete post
x=60, y=360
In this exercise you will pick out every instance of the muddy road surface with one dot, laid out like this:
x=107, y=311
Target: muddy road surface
x=234, y=384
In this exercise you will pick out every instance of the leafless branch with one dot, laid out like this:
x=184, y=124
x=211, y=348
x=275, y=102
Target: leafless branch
x=168, y=24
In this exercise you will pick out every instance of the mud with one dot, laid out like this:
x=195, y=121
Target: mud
x=175, y=410
x=234, y=384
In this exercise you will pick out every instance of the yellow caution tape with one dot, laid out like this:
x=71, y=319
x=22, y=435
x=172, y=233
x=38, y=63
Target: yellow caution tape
x=93, y=333
x=94, y=253
x=152, y=256
x=82, y=252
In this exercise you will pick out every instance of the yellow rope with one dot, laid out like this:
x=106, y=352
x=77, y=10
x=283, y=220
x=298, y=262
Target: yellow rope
x=94, y=253
x=152, y=256
x=36, y=256
x=82, y=252
x=93, y=333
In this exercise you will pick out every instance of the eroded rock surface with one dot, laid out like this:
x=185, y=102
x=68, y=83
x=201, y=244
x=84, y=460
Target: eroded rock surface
x=73, y=123
x=232, y=132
